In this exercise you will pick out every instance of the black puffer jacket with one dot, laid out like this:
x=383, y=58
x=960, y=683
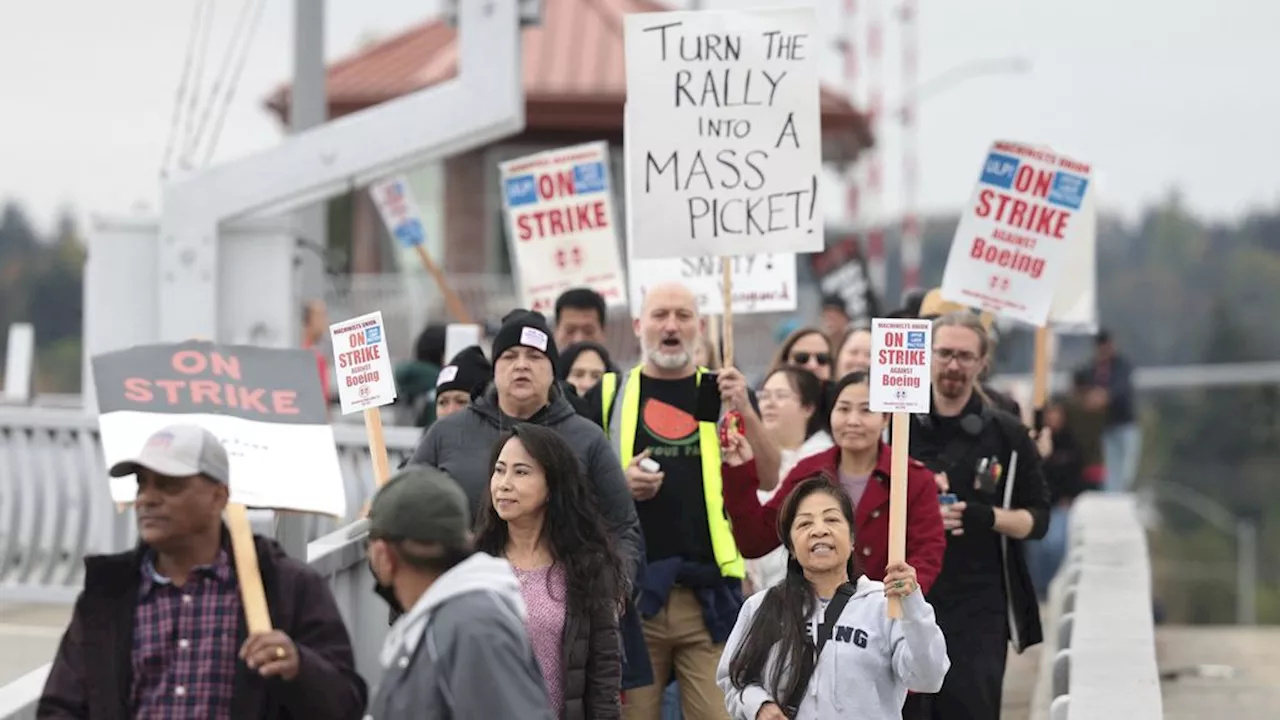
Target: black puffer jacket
x=592, y=664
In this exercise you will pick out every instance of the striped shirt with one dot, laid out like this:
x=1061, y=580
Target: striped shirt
x=185, y=643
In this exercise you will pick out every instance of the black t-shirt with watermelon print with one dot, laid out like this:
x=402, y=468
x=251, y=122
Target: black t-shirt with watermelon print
x=675, y=520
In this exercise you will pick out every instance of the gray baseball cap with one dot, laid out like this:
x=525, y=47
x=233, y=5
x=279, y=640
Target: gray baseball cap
x=180, y=451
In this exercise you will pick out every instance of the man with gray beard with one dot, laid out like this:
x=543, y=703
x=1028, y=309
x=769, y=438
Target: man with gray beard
x=662, y=418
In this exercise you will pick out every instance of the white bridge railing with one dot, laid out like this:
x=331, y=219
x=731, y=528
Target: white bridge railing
x=55, y=507
x=1099, y=657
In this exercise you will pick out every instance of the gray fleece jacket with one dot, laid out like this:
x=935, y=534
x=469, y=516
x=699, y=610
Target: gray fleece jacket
x=462, y=445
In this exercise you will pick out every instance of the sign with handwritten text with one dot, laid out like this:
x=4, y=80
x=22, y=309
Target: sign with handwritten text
x=761, y=283
x=725, y=138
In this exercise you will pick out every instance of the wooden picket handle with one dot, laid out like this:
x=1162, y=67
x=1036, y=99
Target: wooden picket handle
x=451, y=299
x=726, y=318
x=901, y=434
x=248, y=575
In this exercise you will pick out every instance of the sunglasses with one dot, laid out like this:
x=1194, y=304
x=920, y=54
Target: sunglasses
x=802, y=358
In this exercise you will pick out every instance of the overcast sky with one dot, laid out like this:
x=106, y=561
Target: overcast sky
x=1156, y=93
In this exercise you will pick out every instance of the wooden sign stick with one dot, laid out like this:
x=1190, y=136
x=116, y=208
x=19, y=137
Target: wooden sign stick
x=248, y=574
x=377, y=445
x=451, y=299
x=1040, y=383
x=726, y=319
x=901, y=434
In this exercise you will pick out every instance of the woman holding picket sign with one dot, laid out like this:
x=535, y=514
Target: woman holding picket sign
x=823, y=645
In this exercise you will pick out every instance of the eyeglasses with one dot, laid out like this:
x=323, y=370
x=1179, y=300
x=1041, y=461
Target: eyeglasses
x=946, y=355
x=802, y=358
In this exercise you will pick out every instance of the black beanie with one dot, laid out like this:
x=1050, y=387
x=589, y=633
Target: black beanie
x=467, y=370
x=522, y=327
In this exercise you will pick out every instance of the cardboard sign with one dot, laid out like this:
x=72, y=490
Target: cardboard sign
x=901, y=357
x=761, y=283
x=726, y=139
x=264, y=405
x=1075, y=300
x=1014, y=240
x=362, y=362
x=399, y=211
x=561, y=226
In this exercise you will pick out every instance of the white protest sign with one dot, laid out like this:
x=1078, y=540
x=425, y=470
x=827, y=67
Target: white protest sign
x=726, y=139
x=561, y=226
x=460, y=336
x=398, y=210
x=1013, y=241
x=363, y=365
x=1075, y=302
x=761, y=283
x=901, y=356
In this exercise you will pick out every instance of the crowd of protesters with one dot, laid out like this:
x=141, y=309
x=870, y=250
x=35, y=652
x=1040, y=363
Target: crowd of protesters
x=574, y=539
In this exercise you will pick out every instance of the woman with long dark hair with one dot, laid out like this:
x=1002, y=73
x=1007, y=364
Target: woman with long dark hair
x=793, y=411
x=858, y=462
x=543, y=518
x=821, y=644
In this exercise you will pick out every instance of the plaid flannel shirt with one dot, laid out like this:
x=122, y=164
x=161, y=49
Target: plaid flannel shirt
x=184, y=643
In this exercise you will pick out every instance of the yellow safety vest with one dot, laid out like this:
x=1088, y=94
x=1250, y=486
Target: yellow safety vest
x=621, y=417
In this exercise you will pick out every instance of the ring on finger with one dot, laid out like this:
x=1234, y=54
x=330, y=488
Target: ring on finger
x=280, y=652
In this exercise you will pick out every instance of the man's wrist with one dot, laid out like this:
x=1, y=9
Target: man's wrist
x=979, y=516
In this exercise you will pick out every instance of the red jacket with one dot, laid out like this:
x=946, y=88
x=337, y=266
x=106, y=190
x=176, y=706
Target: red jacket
x=755, y=526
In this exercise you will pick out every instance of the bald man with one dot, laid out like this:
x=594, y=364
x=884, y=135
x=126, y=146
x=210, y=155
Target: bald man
x=665, y=411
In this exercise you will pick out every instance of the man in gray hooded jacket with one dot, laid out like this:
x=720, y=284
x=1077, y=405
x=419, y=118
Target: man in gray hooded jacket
x=460, y=650
x=524, y=390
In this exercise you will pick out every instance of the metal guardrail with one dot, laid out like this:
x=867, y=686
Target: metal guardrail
x=55, y=507
x=1099, y=658
x=334, y=556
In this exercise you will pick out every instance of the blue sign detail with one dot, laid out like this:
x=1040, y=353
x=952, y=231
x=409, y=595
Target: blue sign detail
x=373, y=335
x=589, y=178
x=915, y=340
x=410, y=233
x=999, y=170
x=1068, y=190
x=521, y=190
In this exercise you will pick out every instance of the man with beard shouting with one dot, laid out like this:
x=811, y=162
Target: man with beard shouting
x=994, y=498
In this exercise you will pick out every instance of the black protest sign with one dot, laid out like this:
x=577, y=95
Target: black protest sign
x=253, y=383
x=841, y=271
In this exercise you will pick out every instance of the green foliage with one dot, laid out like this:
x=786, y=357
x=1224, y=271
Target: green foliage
x=40, y=283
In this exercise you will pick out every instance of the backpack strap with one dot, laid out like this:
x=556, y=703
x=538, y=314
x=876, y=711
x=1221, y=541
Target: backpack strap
x=834, y=609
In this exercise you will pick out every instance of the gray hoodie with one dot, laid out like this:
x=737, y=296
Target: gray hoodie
x=462, y=444
x=461, y=652
x=865, y=670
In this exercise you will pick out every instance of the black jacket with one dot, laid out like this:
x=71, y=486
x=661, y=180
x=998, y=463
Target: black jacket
x=91, y=674
x=988, y=431
x=592, y=664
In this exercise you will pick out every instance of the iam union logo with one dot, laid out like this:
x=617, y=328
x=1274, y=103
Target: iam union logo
x=365, y=391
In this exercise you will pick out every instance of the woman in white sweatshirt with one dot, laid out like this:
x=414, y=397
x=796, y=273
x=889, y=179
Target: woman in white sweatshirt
x=864, y=662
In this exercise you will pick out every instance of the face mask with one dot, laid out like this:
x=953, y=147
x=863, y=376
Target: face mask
x=388, y=594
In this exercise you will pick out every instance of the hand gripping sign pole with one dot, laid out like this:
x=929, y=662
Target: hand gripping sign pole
x=901, y=355
x=365, y=380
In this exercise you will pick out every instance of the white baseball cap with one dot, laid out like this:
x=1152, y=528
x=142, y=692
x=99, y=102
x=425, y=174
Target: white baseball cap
x=180, y=451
